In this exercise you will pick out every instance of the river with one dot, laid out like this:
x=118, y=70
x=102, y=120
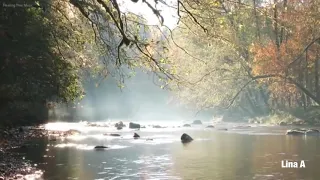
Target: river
x=237, y=154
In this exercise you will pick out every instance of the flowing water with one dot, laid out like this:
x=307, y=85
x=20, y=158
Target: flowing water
x=241, y=153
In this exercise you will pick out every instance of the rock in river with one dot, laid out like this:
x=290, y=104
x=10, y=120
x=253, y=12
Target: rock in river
x=298, y=122
x=282, y=123
x=136, y=135
x=73, y=132
x=100, y=147
x=112, y=134
x=119, y=125
x=157, y=126
x=298, y=131
x=312, y=132
x=223, y=129
x=210, y=126
x=185, y=138
x=196, y=122
x=187, y=125
x=134, y=125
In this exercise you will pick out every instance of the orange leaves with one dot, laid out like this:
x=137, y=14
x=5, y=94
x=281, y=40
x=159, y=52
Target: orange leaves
x=281, y=89
x=270, y=59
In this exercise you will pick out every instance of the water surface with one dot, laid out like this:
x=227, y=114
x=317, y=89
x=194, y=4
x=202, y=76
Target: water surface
x=237, y=154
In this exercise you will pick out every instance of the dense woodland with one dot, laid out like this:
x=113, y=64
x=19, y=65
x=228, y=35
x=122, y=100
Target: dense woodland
x=242, y=59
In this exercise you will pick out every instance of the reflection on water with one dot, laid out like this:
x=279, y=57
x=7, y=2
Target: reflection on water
x=236, y=154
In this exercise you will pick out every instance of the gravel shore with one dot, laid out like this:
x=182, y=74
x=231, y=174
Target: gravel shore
x=12, y=164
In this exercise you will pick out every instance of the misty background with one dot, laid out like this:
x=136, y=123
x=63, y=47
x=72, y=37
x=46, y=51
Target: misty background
x=140, y=100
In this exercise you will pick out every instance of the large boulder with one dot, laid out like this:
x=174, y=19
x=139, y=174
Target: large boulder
x=186, y=125
x=135, y=135
x=196, y=122
x=134, y=125
x=185, y=138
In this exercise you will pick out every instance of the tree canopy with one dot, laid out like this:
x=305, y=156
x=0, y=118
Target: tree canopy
x=253, y=56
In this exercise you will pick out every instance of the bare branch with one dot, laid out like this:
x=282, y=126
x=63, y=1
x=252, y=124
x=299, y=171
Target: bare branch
x=304, y=50
x=190, y=14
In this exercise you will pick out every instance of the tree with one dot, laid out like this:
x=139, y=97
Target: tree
x=217, y=64
x=34, y=69
x=290, y=55
x=273, y=46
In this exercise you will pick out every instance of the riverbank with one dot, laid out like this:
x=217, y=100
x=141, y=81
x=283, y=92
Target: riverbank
x=12, y=164
x=294, y=116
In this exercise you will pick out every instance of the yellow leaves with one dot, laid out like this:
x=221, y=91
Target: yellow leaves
x=215, y=3
x=240, y=26
x=221, y=21
x=251, y=48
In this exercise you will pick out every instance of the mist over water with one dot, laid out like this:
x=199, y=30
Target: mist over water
x=140, y=100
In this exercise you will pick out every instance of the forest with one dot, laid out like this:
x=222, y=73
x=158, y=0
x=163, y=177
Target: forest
x=242, y=59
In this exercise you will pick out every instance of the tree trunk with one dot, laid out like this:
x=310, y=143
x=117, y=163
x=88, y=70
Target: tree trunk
x=302, y=95
x=256, y=19
x=282, y=27
x=308, y=100
x=275, y=24
x=316, y=78
x=265, y=100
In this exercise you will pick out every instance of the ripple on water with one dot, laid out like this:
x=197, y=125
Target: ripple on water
x=77, y=137
x=35, y=175
x=73, y=145
x=154, y=141
x=264, y=177
x=117, y=147
x=87, y=147
x=150, y=167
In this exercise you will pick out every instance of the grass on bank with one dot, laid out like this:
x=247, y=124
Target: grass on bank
x=310, y=116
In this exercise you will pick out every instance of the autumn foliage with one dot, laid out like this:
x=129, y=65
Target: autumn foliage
x=288, y=53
